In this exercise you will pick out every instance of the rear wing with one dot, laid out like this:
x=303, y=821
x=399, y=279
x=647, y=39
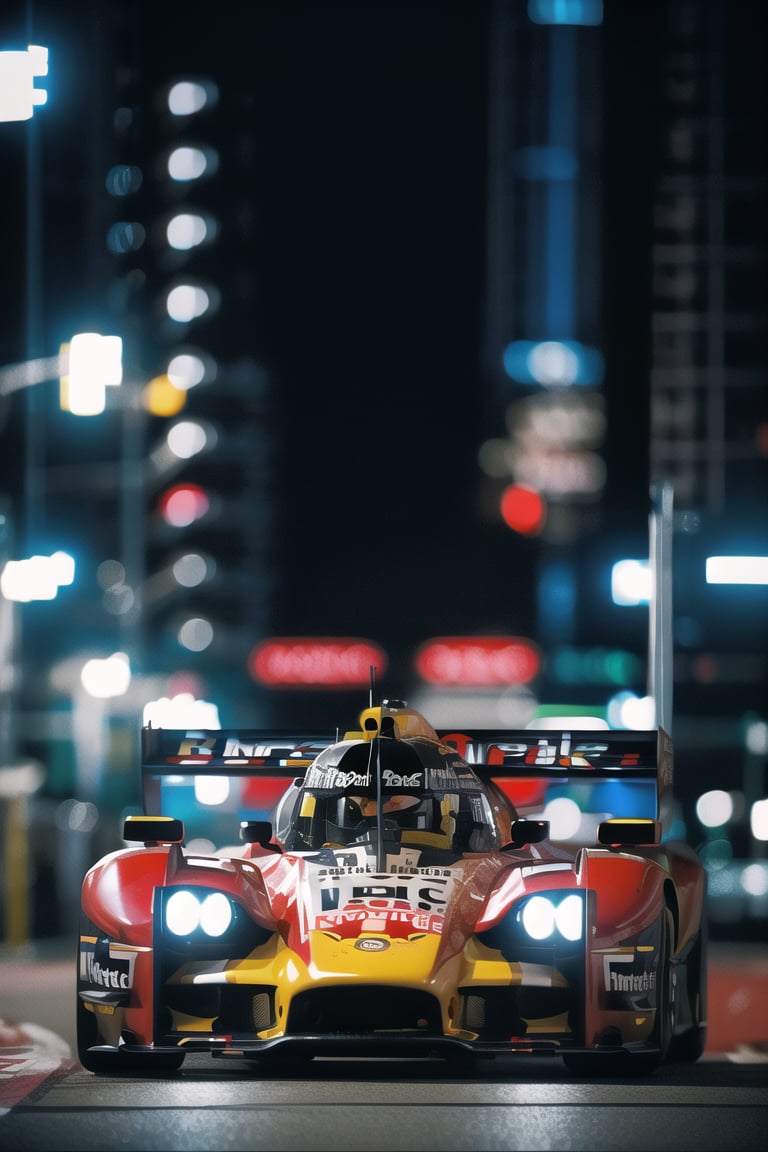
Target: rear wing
x=527, y=763
x=267, y=760
x=229, y=747
x=626, y=773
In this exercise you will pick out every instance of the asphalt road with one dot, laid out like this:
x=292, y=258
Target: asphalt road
x=349, y=1106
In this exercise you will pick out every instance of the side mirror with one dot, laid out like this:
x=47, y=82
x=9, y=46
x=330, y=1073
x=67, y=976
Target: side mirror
x=630, y=831
x=153, y=829
x=258, y=832
x=527, y=832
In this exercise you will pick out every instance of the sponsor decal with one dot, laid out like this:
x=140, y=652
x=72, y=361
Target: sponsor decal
x=400, y=906
x=369, y=944
x=351, y=920
x=563, y=751
x=110, y=967
x=621, y=975
x=348, y=866
x=233, y=748
x=392, y=779
x=331, y=776
x=344, y=887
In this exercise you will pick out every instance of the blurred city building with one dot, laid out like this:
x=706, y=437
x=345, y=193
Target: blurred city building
x=418, y=309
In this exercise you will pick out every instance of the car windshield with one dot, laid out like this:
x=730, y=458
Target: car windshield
x=454, y=822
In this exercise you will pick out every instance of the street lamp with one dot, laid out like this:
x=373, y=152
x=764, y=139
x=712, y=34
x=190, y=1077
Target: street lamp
x=38, y=578
x=91, y=363
x=85, y=367
x=18, y=72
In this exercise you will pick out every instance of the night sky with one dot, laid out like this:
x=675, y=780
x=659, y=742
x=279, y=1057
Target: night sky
x=377, y=260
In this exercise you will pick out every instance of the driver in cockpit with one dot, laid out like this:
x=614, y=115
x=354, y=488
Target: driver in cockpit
x=404, y=815
x=369, y=808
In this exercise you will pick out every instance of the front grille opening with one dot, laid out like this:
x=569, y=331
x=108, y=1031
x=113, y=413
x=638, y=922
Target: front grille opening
x=193, y=999
x=473, y=1013
x=246, y=1009
x=363, y=1011
x=262, y=1011
x=240, y=1010
x=498, y=1013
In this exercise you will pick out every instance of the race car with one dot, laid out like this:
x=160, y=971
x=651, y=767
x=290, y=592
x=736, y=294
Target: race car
x=395, y=892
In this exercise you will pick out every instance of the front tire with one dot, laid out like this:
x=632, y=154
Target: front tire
x=644, y=1063
x=87, y=1037
x=622, y=1063
x=111, y=1061
x=689, y=1046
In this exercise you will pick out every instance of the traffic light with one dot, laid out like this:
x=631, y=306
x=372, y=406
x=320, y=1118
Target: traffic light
x=549, y=470
x=181, y=549
x=523, y=509
x=184, y=504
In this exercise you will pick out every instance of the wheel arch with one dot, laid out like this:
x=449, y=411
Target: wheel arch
x=671, y=901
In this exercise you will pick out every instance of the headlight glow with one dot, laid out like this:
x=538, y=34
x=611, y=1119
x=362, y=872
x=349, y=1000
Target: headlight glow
x=186, y=912
x=543, y=916
x=568, y=917
x=539, y=918
x=215, y=914
x=182, y=913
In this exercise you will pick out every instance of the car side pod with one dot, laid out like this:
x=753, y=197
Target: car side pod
x=623, y=831
x=153, y=830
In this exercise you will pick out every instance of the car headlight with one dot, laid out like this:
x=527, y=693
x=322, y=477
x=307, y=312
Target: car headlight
x=543, y=917
x=186, y=912
x=543, y=923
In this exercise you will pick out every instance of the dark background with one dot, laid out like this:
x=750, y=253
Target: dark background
x=359, y=341
x=351, y=267
x=353, y=263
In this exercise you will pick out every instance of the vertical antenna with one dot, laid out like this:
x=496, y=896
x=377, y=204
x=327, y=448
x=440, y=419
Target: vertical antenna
x=381, y=857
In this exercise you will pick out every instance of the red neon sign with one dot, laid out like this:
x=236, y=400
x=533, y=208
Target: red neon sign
x=478, y=661
x=315, y=662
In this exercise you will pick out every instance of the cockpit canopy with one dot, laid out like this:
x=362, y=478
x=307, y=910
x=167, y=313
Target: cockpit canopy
x=429, y=797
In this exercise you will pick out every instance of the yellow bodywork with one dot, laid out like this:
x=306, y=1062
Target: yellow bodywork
x=371, y=958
